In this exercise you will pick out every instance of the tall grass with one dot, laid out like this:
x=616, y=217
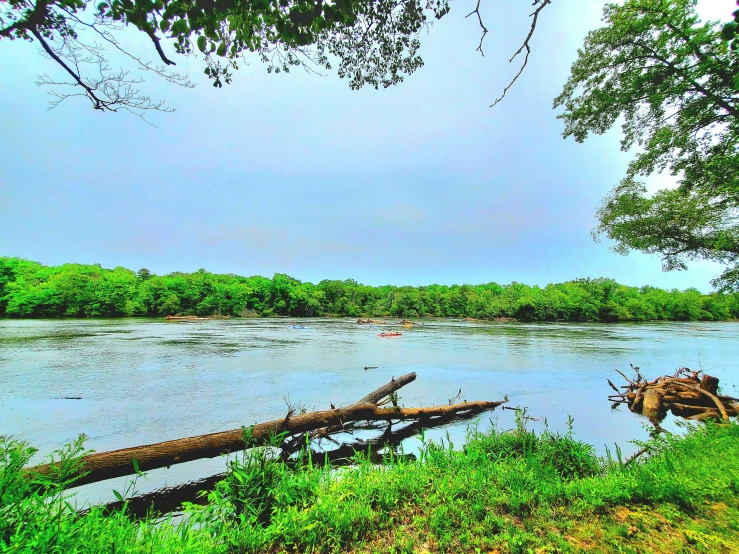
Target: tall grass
x=508, y=490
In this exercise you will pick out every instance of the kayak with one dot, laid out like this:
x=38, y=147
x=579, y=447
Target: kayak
x=391, y=334
x=298, y=327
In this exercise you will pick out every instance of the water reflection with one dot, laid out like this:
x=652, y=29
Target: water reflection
x=143, y=381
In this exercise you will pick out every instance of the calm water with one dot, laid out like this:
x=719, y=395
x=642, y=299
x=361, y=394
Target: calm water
x=143, y=381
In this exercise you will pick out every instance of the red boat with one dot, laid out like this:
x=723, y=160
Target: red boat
x=389, y=334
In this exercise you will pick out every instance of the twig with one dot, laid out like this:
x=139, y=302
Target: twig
x=635, y=456
x=614, y=388
x=624, y=376
x=525, y=45
x=482, y=25
x=97, y=103
x=453, y=398
x=522, y=410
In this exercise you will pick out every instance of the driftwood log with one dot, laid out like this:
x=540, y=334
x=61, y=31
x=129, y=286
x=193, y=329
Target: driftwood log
x=688, y=394
x=107, y=465
x=171, y=499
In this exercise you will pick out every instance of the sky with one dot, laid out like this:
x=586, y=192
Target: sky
x=416, y=184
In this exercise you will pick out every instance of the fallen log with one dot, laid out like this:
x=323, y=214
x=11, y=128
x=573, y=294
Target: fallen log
x=170, y=499
x=704, y=416
x=118, y=463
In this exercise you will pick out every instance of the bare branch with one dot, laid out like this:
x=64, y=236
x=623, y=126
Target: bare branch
x=96, y=102
x=108, y=92
x=174, y=78
x=484, y=29
x=525, y=45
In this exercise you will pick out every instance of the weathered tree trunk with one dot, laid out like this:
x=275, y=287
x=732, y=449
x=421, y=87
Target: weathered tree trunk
x=652, y=405
x=709, y=384
x=172, y=498
x=118, y=463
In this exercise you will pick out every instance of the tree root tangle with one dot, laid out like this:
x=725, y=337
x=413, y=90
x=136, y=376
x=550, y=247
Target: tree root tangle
x=688, y=394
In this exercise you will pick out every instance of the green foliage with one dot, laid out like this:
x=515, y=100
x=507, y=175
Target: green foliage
x=376, y=42
x=34, y=508
x=730, y=32
x=562, y=455
x=672, y=81
x=505, y=490
x=28, y=289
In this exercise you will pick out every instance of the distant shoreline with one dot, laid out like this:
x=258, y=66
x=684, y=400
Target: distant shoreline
x=352, y=319
x=30, y=290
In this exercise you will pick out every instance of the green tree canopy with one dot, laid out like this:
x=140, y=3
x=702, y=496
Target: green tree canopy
x=29, y=289
x=673, y=81
x=373, y=42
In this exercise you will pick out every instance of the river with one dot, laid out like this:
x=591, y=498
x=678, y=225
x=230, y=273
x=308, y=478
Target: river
x=138, y=381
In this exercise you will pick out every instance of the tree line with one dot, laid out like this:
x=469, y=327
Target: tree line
x=31, y=290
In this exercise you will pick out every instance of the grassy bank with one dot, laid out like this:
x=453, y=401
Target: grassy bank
x=512, y=491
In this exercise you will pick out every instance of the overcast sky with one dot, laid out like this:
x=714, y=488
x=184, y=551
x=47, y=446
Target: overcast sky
x=416, y=184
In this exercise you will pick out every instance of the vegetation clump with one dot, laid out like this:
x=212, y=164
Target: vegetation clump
x=506, y=491
x=29, y=289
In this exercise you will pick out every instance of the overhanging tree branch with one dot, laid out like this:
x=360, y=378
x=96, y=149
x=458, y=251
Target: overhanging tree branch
x=525, y=45
x=34, y=20
x=377, y=41
x=484, y=29
x=97, y=103
x=158, y=46
x=107, y=36
x=698, y=87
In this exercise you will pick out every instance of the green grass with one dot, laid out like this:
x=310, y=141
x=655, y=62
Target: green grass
x=513, y=491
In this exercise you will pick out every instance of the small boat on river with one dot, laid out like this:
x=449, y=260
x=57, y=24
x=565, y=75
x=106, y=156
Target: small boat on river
x=389, y=334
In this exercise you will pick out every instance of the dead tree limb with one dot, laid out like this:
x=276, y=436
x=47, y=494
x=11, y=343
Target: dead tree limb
x=118, y=463
x=295, y=442
x=686, y=393
x=541, y=5
x=169, y=499
x=375, y=396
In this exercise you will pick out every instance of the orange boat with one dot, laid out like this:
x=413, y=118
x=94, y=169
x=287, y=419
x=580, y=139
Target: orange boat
x=389, y=334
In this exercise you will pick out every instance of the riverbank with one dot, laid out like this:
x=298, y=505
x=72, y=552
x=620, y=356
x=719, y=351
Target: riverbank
x=513, y=491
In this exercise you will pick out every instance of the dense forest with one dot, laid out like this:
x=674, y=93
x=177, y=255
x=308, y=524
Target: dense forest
x=29, y=289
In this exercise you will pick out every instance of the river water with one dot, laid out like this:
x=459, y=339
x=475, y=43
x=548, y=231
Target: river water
x=141, y=381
